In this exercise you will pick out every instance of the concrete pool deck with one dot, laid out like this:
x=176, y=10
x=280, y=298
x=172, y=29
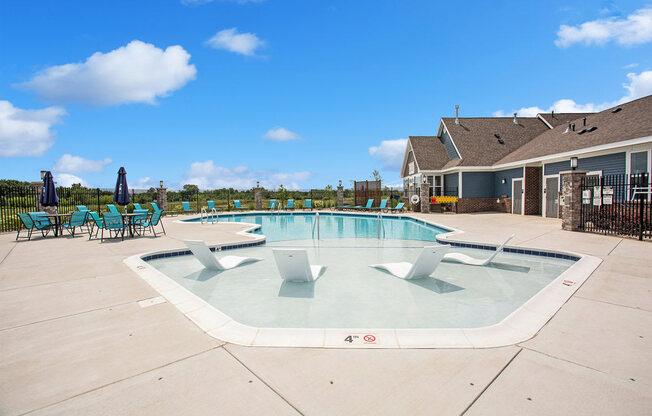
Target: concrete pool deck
x=74, y=339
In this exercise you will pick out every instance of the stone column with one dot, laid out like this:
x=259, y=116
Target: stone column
x=258, y=197
x=425, y=198
x=340, y=195
x=572, y=197
x=162, y=198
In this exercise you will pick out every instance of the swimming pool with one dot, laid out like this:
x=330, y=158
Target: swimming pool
x=351, y=303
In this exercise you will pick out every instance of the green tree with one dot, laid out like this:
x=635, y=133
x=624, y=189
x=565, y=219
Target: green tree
x=189, y=192
x=376, y=175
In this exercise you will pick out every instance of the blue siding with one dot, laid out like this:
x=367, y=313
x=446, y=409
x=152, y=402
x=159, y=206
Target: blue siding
x=506, y=188
x=448, y=144
x=613, y=164
x=450, y=184
x=478, y=185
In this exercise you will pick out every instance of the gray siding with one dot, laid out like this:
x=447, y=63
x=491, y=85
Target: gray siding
x=506, y=188
x=612, y=164
x=478, y=184
x=410, y=158
x=450, y=184
x=448, y=144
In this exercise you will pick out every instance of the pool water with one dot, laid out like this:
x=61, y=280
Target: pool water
x=350, y=294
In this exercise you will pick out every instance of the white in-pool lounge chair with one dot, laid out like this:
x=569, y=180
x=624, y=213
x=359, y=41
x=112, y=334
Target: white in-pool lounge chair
x=464, y=259
x=293, y=265
x=424, y=266
x=208, y=259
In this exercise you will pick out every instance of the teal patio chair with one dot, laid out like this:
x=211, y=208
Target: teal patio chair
x=383, y=205
x=272, y=204
x=138, y=221
x=236, y=204
x=77, y=219
x=397, y=208
x=113, y=223
x=370, y=202
x=31, y=224
x=185, y=207
x=82, y=208
x=155, y=206
x=96, y=222
x=154, y=220
x=113, y=209
x=137, y=206
x=290, y=204
x=211, y=206
x=307, y=204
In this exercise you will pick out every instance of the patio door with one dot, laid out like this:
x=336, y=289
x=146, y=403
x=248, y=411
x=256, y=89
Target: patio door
x=551, y=190
x=517, y=196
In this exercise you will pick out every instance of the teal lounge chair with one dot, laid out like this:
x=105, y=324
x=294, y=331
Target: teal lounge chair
x=398, y=207
x=307, y=204
x=272, y=204
x=383, y=205
x=97, y=222
x=155, y=206
x=154, y=220
x=290, y=204
x=113, y=223
x=77, y=219
x=211, y=206
x=137, y=206
x=236, y=204
x=139, y=220
x=185, y=207
x=32, y=224
x=82, y=208
x=113, y=209
x=370, y=202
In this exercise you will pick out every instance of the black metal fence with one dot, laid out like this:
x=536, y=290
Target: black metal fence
x=617, y=205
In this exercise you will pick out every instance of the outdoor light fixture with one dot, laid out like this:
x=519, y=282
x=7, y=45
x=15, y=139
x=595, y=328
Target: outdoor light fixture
x=43, y=174
x=504, y=181
x=161, y=183
x=573, y=163
x=340, y=182
x=257, y=184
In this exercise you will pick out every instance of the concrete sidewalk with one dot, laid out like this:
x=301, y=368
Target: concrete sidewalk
x=74, y=339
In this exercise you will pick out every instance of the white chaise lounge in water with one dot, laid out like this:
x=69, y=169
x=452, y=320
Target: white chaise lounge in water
x=424, y=266
x=208, y=259
x=293, y=265
x=463, y=258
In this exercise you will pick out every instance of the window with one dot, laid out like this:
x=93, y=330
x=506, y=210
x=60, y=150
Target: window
x=436, y=184
x=411, y=168
x=638, y=163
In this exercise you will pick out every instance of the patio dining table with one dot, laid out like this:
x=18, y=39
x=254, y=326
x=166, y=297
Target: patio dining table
x=57, y=221
x=129, y=219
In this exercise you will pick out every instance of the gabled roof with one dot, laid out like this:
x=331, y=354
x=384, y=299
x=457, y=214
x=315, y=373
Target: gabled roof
x=634, y=120
x=429, y=152
x=557, y=119
x=475, y=137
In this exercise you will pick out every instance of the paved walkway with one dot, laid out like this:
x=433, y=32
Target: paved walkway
x=75, y=340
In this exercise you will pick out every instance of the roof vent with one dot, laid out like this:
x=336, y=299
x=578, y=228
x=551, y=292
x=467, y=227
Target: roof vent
x=584, y=121
x=515, y=120
x=594, y=128
x=582, y=131
x=457, y=119
x=568, y=128
x=552, y=114
x=615, y=110
x=501, y=141
x=497, y=136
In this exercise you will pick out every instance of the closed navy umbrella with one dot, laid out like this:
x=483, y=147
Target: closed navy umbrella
x=121, y=194
x=49, y=196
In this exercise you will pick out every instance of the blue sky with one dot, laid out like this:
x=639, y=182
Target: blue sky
x=299, y=93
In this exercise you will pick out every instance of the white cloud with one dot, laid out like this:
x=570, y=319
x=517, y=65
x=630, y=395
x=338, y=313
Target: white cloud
x=137, y=73
x=143, y=183
x=640, y=85
x=27, y=132
x=633, y=30
x=390, y=152
x=206, y=175
x=75, y=164
x=281, y=134
x=232, y=41
x=67, y=179
x=634, y=65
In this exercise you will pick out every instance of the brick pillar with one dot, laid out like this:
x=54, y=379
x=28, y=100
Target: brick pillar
x=340, y=195
x=162, y=198
x=425, y=198
x=258, y=198
x=572, y=198
x=533, y=190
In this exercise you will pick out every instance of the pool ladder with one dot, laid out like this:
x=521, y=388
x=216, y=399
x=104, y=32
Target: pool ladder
x=213, y=215
x=381, y=224
x=316, y=226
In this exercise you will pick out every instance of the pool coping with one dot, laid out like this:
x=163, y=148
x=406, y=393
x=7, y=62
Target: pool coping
x=522, y=324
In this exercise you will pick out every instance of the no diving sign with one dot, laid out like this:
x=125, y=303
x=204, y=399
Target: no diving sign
x=360, y=339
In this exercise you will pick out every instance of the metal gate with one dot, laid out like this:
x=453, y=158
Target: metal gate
x=552, y=196
x=517, y=196
x=617, y=205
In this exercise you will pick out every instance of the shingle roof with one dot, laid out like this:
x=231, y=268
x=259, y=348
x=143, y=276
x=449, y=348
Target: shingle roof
x=429, y=152
x=476, y=141
x=634, y=120
x=557, y=119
